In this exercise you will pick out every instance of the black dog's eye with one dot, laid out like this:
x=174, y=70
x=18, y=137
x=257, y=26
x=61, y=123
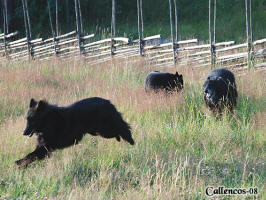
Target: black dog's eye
x=30, y=118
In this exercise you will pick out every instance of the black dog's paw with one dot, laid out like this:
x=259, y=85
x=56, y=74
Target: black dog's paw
x=21, y=164
x=18, y=162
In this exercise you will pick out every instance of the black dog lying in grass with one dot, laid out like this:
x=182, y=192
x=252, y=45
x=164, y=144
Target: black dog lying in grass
x=60, y=127
x=156, y=81
x=220, y=90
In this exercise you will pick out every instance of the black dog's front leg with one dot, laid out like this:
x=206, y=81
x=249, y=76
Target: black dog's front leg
x=39, y=153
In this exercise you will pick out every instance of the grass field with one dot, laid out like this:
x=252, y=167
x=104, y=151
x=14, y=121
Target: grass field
x=180, y=147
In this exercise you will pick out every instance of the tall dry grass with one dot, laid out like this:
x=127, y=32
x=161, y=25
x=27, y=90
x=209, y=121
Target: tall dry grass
x=180, y=147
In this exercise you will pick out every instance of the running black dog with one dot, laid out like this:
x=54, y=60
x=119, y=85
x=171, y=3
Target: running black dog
x=60, y=127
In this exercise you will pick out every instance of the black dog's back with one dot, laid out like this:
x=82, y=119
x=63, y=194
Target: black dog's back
x=156, y=80
x=223, y=73
x=98, y=116
x=162, y=80
x=93, y=101
x=88, y=108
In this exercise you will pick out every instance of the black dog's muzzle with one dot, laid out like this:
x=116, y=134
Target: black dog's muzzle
x=210, y=95
x=28, y=132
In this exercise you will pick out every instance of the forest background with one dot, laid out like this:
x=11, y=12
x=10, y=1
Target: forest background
x=96, y=14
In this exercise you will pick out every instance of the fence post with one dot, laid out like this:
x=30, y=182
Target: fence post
x=78, y=27
x=139, y=29
x=28, y=18
x=5, y=15
x=250, y=22
x=176, y=22
x=251, y=34
x=56, y=17
x=28, y=35
x=113, y=28
x=81, y=21
x=248, y=35
x=52, y=29
x=172, y=34
x=214, y=36
x=4, y=26
x=210, y=35
x=141, y=18
x=176, y=30
x=214, y=23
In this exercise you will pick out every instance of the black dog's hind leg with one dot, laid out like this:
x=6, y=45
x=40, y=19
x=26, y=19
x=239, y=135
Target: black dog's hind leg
x=38, y=154
x=127, y=137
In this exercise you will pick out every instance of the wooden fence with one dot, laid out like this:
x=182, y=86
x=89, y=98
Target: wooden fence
x=153, y=52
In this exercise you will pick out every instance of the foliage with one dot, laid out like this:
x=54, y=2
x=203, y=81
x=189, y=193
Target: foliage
x=192, y=15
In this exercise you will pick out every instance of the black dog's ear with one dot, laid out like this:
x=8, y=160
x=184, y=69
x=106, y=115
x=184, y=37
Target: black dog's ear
x=33, y=103
x=180, y=76
x=176, y=74
x=41, y=105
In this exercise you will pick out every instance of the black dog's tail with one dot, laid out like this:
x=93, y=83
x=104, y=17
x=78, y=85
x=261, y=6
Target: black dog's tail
x=126, y=132
x=120, y=127
x=123, y=129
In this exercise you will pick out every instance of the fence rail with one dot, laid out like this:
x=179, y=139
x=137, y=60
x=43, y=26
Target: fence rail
x=153, y=50
x=187, y=52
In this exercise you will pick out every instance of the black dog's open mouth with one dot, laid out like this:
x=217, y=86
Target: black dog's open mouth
x=208, y=95
x=30, y=134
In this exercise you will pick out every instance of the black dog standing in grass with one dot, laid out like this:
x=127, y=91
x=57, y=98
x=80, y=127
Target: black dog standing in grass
x=156, y=81
x=60, y=127
x=220, y=90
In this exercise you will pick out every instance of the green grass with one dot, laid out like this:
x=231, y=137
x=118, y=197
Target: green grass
x=181, y=148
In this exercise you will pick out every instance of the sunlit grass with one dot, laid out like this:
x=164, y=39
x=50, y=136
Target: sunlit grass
x=180, y=146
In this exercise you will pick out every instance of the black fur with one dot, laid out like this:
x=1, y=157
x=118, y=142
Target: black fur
x=219, y=90
x=156, y=81
x=60, y=127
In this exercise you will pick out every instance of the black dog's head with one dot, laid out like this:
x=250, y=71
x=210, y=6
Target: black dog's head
x=213, y=90
x=178, y=80
x=34, y=117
